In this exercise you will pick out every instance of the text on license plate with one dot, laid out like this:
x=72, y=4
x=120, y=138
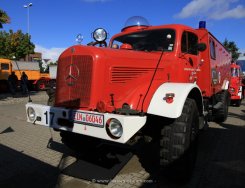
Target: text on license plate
x=89, y=119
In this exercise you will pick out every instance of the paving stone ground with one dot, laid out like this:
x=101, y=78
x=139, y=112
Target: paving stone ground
x=28, y=157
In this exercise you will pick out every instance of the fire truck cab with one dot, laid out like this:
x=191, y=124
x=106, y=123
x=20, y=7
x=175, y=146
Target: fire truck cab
x=163, y=82
x=235, y=87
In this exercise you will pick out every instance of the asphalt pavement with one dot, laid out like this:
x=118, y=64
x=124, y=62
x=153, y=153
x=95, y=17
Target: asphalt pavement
x=33, y=156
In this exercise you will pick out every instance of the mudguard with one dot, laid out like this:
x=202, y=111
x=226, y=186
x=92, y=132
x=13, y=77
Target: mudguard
x=159, y=106
x=225, y=85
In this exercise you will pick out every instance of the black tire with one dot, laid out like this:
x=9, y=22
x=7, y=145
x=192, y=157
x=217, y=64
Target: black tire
x=220, y=115
x=4, y=86
x=238, y=103
x=52, y=83
x=78, y=142
x=178, y=143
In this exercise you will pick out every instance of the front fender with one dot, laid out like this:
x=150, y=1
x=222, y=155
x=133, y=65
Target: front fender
x=225, y=85
x=159, y=106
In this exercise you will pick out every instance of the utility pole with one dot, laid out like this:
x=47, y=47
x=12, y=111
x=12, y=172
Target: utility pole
x=1, y=26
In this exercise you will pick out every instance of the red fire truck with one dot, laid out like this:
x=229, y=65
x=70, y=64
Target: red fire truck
x=235, y=86
x=161, y=82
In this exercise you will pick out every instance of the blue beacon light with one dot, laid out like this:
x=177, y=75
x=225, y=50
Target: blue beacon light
x=202, y=25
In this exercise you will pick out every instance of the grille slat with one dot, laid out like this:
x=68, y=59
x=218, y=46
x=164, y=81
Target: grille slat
x=74, y=80
x=124, y=74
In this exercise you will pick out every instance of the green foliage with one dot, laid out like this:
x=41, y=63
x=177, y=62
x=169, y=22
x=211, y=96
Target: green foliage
x=15, y=44
x=53, y=63
x=232, y=47
x=43, y=68
x=4, y=18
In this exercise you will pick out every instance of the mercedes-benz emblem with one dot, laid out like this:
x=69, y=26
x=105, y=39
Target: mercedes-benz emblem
x=71, y=74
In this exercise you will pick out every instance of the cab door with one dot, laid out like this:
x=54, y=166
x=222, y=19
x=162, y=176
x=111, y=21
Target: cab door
x=189, y=55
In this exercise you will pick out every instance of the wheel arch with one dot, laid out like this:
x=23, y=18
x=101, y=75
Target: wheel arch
x=225, y=85
x=196, y=95
x=182, y=91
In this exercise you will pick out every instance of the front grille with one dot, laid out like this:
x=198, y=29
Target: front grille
x=74, y=78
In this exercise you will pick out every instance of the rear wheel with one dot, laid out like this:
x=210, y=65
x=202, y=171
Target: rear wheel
x=3, y=86
x=238, y=103
x=221, y=114
x=41, y=85
x=178, y=143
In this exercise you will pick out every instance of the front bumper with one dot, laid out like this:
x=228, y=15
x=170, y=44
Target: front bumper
x=75, y=121
x=236, y=94
x=235, y=97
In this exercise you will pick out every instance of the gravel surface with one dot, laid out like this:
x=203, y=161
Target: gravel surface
x=7, y=98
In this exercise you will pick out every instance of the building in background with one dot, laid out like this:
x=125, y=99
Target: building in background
x=37, y=56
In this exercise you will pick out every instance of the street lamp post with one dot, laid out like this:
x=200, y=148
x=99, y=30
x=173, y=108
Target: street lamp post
x=28, y=24
x=1, y=26
x=28, y=16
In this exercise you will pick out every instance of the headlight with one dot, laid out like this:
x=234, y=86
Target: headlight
x=114, y=128
x=31, y=113
x=232, y=90
x=100, y=35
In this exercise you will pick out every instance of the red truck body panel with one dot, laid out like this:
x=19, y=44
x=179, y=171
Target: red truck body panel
x=216, y=65
x=112, y=77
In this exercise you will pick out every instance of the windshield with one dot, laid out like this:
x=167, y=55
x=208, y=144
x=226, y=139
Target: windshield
x=234, y=72
x=150, y=40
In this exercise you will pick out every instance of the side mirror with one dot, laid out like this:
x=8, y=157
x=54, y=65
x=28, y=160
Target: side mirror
x=201, y=47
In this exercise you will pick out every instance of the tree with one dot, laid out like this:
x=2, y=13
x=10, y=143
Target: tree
x=4, y=18
x=44, y=68
x=232, y=47
x=15, y=44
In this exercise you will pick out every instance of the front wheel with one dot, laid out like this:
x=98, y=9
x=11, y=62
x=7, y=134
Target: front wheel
x=178, y=143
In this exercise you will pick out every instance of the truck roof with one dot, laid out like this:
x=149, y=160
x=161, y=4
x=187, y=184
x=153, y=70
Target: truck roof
x=2, y=60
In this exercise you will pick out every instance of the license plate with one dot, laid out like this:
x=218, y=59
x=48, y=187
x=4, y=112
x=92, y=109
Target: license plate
x=89, y=119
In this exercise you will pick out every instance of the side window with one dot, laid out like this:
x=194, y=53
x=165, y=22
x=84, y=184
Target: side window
x=184, y=44
x=4, y=66
x=212, y=49
x=189, y=43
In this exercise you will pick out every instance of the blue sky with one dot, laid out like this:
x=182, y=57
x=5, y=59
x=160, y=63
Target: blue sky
x=54, y=24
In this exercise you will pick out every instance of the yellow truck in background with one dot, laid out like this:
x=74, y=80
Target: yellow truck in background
x=37, y=80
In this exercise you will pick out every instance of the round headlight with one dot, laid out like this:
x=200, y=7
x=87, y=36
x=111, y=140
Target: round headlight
x=31, y=113
x=115, y=128
x=100, y=35
x=232, y=90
